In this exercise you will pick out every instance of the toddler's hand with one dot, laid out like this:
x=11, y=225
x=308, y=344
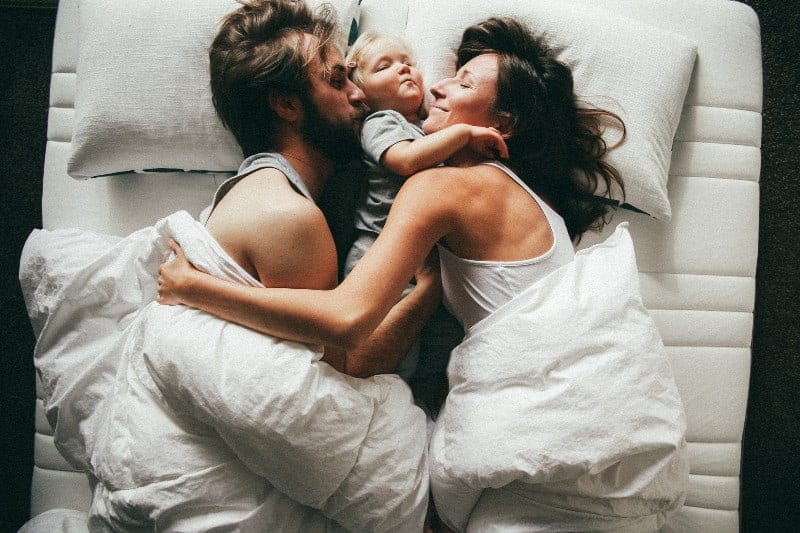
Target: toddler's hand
x=488, y=142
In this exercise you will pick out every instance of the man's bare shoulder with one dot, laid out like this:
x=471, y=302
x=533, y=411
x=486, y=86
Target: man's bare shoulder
x=278, y=233
x=268, y=187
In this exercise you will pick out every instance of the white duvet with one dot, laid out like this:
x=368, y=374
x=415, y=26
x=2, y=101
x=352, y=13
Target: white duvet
x=563, y=414
x=185, y=422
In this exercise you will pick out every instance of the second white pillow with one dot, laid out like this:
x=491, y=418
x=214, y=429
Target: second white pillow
x=638, y=71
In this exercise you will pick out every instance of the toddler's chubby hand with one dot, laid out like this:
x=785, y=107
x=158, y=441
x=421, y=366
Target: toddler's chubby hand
x=488, y=142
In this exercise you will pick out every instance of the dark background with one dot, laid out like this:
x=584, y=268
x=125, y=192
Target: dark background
x=770, y=470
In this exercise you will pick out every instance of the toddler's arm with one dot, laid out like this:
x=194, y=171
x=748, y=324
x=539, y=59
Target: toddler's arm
x=407, y=157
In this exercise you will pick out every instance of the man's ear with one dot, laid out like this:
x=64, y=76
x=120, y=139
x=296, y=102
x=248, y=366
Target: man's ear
x=287, y=106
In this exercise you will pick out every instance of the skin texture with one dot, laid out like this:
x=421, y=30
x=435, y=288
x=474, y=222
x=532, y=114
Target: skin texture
x=282, y=238
x=475, y=210
x=467, y=97
x=390, y=80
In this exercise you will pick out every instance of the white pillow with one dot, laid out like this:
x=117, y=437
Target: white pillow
x=638, y=71
x=143, y=100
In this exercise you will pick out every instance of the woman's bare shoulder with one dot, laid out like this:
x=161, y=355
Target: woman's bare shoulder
x=441, y=179
x=451, y=184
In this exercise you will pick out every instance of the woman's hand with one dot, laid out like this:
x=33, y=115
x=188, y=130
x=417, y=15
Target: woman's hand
x=174, y=276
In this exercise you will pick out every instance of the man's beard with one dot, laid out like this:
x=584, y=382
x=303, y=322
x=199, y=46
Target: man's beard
x=338, y=142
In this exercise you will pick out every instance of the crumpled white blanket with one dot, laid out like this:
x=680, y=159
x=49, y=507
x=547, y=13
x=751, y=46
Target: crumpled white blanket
x=185, y=422
x=563, y=414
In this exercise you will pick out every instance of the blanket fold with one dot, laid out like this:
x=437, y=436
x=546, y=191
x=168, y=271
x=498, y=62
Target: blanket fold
x=186, y=421
x=564, y=395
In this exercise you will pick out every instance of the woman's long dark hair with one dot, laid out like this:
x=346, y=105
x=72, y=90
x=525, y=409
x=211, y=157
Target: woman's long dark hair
x=555, y=146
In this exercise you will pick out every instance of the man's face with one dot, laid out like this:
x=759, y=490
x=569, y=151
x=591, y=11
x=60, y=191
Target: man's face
x=334, y=109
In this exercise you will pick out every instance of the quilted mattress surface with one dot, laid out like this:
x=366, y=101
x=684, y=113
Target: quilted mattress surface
x=697, y=271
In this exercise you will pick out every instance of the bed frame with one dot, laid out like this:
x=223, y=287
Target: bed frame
x=697, y=270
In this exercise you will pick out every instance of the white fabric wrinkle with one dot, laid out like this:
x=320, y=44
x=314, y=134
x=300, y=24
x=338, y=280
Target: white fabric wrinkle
x=184, y=421
x=564, y=393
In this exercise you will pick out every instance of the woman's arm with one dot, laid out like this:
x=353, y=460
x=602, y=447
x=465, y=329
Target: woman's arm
x=383, y=350
x=407, y=157
x=303, y=315
x=344, y=316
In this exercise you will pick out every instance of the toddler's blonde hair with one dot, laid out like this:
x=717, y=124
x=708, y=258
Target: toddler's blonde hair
x=362, y=48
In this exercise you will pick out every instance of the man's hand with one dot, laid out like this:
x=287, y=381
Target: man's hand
x=429, y=275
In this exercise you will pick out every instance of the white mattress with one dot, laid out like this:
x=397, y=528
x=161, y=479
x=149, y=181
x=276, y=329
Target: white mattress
x=697, y=271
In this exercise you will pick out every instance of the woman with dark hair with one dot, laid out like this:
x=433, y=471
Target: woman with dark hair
x=500, y=228
x=523, y=214
x=555, y=146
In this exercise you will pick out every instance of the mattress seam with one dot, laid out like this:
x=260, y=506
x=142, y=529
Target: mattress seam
x=743, y=347
x=711, y=508
x=713, y=442
x=746, y=110
x=697, y=275
x=719, y=143
x=746, y=179
x=683, y=309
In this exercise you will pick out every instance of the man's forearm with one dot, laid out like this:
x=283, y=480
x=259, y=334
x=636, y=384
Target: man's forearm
x=392, y=339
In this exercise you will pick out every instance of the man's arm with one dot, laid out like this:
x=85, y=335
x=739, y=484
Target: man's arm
x=407, y=157
x=393, y=338
x=278, y=235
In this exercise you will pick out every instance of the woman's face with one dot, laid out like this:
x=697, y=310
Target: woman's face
x=467, y=97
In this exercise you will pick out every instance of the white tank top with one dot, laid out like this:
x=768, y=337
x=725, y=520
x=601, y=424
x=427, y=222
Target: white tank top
x=474, y=289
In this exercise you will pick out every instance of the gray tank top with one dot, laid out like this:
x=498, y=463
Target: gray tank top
x=250, y=165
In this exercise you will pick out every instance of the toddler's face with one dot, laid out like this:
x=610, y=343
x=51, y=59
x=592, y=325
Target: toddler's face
x=390, y=81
